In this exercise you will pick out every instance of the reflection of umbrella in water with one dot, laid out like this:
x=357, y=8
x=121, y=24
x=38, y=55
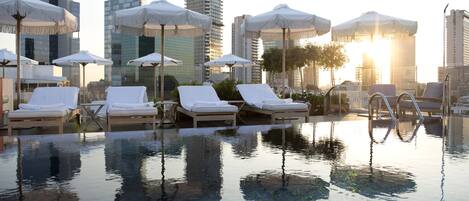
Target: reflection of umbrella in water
x=273, y=185
x=269, y=186
x=330, y=148
x=372, y=182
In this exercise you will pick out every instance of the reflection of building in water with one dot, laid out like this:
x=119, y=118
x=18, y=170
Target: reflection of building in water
x=44, y=161
x=458, y=134
x=125, y=158
x=245, y=146
x=203, y=166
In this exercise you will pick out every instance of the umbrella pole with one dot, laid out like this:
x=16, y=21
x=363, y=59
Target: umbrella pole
x=284, y=53
x=19, y=19
x=162, y=73
x=155, y=90
x=84, y=84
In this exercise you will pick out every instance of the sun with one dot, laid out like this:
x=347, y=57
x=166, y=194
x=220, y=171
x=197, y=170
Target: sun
x=379, y=49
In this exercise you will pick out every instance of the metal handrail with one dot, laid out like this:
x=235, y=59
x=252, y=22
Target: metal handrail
x=414, y=102
x=370, y=132
x=414, y=133
x=386, y=102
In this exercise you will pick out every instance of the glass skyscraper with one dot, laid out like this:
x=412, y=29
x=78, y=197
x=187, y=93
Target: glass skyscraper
x=209, y=46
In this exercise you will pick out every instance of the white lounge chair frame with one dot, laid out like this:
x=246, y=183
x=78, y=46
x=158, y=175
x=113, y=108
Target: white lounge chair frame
x=209, y=116
x=280, y=114
x=28, y=122
x=131, y=119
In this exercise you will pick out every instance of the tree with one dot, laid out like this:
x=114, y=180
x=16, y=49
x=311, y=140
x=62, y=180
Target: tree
x=313, y=55
x=272, y=61
x=333, y=58
x=296, y=59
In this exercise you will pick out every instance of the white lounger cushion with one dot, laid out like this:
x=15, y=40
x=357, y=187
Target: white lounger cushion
x=128, y=101
x=203, y=99
x=48, y=102
x=263, y=97
x=44, y=96
x=127, y=112
x=21, y=113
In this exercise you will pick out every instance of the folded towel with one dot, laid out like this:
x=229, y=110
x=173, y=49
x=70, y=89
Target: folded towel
x=278, y=101
x=42, y=107
x=132, y=105
x=210, y=104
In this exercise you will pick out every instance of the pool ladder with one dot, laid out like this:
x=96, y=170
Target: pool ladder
x=394, y=116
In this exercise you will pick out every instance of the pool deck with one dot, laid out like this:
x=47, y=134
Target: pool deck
x=71, y=127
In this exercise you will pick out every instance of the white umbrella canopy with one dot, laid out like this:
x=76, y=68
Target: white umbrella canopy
x=153, y=60
x=9, y=58
x=277, y=23
x=83, y=58
x=156, y=18
x=371, y=24
x=299, y=24
x=33, y=17
x=229, y=60
x=39, y=18
x=147, y=20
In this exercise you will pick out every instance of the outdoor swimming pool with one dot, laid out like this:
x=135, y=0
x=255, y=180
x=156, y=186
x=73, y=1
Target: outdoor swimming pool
x=313, y=161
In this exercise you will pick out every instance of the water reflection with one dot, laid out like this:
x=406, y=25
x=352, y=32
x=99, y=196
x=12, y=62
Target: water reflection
x=372, y=182
x=329, y=160
x=273, y=185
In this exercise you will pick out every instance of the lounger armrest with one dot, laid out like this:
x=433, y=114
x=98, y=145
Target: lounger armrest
x=428, y=99
x=235, y=101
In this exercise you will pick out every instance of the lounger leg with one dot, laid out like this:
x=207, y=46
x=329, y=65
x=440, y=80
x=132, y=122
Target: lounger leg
x=234, y=120
x=307, y=118
x=108, y=124
x=194, y=122
x=10, y=129
x=154, y=123
x=272, y=120
x=61, y=126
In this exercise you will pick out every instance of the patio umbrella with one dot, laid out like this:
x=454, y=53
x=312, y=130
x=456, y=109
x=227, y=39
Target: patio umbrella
x=231, y=61
x=153, y=60
x=370, y=24
x=33, y=17
x=83, y=58
x=156, y=18
x=282, y=20
x=9, y=58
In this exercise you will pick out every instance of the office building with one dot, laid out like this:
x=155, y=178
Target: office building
x=246, y=48
x=457, y=31
x=47, y=48
x=121, y=48
x=403, y=67
x=209, y=46
x=457, y=24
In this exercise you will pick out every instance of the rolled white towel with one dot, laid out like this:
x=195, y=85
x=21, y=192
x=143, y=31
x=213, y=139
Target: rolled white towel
x=41, y=107
x=132, y=105
x=209, y=104
x=278, y=101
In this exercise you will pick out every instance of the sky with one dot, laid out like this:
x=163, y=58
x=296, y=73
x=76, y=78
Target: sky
x=428, y=14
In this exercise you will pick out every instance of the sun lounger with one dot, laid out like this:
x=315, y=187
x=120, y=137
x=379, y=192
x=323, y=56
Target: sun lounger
x=48, y=106
x=128, y=105
x=431, y=101
x=261, y=98
x=203, y=104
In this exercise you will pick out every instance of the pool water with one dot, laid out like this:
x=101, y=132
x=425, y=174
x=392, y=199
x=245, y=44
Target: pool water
x=312, y=161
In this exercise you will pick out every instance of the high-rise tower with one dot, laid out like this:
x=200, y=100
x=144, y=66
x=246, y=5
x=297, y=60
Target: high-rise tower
x=209, y=46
